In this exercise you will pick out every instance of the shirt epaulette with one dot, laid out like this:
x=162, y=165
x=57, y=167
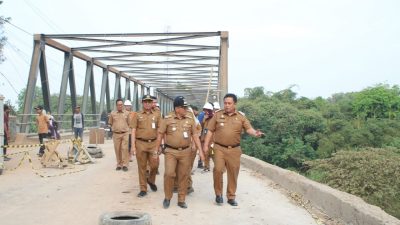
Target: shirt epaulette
x=219, y=110
x=243, y=114
x=168, y=116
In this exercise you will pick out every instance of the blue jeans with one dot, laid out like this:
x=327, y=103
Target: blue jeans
x=78, y=132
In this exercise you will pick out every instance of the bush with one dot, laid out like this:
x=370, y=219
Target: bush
x=372, y=174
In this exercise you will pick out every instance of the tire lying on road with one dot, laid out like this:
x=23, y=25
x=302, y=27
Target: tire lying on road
x=125, y=218
x=93, y=150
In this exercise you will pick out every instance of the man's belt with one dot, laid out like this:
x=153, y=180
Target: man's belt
x=120, y=132
x=179, y=148
x=147, y=140
x=228, y=146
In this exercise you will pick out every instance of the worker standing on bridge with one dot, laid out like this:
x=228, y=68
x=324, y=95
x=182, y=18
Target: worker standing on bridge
x=226, y=126
x=144, y=135
x=119, y=122
x=179, y=129
x=42, y=123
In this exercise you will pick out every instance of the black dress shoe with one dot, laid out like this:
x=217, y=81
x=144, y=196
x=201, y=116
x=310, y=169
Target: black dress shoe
x=124, y=168
x=232, y=202
x=153, y=187
x=182, y=205
x=7, y=158
x=190, y=190
x=142, y=194
x=166, y=203
x=219, y=200
x=118, y=168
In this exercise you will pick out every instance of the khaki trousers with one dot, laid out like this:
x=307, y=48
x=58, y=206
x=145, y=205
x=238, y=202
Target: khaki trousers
x=190, y=181
x=121, y=148
x=176, y=165
x=229, y=158
x=146, y=152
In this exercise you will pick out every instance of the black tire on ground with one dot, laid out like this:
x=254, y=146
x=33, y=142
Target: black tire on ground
x=125, y=218
x=98, y=155
x=93, y=150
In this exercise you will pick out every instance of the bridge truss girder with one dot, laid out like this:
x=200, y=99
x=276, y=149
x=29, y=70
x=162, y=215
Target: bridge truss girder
x=174, y=67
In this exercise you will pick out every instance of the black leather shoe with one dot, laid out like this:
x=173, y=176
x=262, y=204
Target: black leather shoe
x=232, y=202
x=182, y=205
x=118, y=168
x=153, y=187
x=190, y=190
x=166, y=203
x=219, y=200
x=142, y=194
x=124, y=168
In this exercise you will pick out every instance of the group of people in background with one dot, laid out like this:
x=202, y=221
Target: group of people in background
x=180, y=136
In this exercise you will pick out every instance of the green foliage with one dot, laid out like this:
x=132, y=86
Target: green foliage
x=380, y=101
x=303, y=133
x=370, y=173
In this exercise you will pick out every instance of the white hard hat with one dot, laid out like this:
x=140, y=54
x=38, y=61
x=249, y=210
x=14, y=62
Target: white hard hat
x=208, y=106
x=216, y=105
x=127, y=103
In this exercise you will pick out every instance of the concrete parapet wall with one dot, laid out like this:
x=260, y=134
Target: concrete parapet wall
x=336, y=204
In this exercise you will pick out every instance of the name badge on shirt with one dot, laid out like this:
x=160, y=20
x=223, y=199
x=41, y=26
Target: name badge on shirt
x=222, y=124
x=153, y=125
x=185, y=134
x=173, y=128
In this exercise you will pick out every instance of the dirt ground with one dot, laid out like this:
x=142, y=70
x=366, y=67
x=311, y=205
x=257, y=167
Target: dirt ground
x=80, y=198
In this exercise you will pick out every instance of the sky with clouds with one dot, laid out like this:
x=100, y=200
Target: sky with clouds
x=322, y=47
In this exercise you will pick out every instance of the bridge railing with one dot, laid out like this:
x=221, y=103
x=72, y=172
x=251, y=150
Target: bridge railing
x=64, y=122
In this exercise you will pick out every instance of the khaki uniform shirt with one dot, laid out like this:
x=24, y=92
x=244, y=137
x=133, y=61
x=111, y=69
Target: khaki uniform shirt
x=119, y=121
x=178, y=132
x=205, y=123
x=146, y=124
x=42, y=122
x=227, y=129
x=132, y=116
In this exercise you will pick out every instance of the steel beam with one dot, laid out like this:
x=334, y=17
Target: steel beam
x=64, y=84
x=104, y=82
x=88, y=76
x=223, y=64
x=44, y=80
x=72, y=86
x=127, y=89
x=136, y=96
x=31, y=85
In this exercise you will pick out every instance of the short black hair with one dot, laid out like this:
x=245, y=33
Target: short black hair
x=118, y=99
x=195, y=108
x=6, y=107
x=230, y=95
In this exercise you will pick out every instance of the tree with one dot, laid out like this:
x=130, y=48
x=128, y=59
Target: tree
x=381, y=101
x=3, y=38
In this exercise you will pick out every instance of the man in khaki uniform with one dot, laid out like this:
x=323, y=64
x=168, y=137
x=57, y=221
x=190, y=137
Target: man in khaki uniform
x=226, y=126
x=144, y=135
x=179, y=130
x=42, y=123
x=119, y=122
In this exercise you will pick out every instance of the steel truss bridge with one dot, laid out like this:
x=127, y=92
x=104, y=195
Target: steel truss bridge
x=193, y=64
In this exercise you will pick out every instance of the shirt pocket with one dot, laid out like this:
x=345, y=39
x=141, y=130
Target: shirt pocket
x=221, y=123
x=172, y=128
x=141, y=123
x=237, y=125
x=187, y=128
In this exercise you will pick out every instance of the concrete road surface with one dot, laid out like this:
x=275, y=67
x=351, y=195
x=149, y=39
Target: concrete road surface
x=80, y=198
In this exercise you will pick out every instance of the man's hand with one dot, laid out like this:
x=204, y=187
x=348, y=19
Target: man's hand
x=133, y=150
x=259, y=133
